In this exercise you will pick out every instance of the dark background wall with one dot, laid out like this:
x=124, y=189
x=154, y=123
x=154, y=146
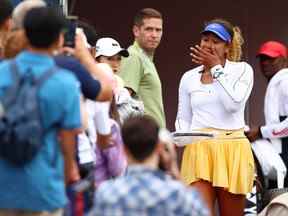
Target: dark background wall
x=183, y=20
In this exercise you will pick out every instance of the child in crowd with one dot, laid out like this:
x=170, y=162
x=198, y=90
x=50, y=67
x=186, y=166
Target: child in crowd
x=109, y=51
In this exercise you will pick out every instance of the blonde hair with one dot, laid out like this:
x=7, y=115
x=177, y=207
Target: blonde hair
x=235, y=51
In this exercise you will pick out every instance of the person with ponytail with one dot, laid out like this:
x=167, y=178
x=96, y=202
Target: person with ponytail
x=212, y=98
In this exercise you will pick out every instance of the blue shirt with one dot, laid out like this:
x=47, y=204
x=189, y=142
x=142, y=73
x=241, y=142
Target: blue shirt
x=146, y=192
x=89, y=86
x=39, y=185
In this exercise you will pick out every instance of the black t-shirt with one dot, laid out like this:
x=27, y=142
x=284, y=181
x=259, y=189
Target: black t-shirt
x=89, y=86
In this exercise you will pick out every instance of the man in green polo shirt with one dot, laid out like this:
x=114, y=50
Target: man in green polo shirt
x=138, y=70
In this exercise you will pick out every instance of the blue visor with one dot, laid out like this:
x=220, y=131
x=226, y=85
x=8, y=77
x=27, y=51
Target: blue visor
x=219, y=30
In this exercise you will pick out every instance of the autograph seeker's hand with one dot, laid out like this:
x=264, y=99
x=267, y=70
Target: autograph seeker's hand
x=253, y=134
x=204, y=57
x=168, y=160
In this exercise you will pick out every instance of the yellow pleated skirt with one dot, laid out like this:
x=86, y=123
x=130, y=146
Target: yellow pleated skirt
x=226, y=161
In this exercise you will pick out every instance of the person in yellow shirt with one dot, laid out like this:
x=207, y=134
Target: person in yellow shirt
x=138, y=70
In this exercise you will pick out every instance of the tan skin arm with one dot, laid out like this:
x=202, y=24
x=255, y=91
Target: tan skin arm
x=67, y=140
x=253, y=134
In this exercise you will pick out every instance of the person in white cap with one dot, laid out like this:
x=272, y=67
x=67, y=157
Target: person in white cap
x=109, y=51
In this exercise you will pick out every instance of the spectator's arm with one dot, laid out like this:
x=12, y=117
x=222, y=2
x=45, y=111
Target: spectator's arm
x=184, y=112
x=84, y=114
x=90, y=87
x=68, y=145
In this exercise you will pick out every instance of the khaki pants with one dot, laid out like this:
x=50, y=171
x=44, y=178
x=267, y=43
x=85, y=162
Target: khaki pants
x=11, y=212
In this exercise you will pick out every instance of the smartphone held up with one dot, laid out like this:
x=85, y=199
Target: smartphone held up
x=70, y=32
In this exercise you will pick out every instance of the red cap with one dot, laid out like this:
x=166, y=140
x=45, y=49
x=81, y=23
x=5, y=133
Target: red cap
x=273, y=49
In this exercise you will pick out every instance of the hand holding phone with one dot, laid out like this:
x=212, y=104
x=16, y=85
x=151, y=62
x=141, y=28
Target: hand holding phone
x=69, y=36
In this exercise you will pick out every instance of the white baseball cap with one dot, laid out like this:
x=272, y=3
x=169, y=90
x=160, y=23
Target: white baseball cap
x=109, y=47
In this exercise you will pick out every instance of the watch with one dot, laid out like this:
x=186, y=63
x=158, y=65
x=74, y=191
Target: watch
x=217, y=71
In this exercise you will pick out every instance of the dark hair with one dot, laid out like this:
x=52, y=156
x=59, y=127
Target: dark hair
x=43, y=26
x=235, y=51
x=6, y=9
x=140, y=136
x=146, y=13
x=89, y=31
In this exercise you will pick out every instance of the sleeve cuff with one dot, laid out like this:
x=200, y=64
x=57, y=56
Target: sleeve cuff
x=265, y=132
x=102, y=119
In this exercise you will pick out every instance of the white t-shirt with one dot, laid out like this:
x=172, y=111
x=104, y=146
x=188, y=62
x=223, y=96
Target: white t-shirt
x=278, y=129
x=218, y=105
x=98, y=121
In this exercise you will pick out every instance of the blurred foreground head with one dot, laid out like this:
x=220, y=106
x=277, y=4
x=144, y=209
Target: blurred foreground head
x=44, y=27
x=140, y=137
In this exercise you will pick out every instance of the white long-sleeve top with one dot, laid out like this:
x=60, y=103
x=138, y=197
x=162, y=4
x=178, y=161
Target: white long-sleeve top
x=276, y=105
x=218, y=105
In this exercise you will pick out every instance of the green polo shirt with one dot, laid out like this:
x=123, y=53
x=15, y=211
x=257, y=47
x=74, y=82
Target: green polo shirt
x=139, y=73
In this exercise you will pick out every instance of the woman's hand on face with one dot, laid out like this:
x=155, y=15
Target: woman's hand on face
x=204, y=57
